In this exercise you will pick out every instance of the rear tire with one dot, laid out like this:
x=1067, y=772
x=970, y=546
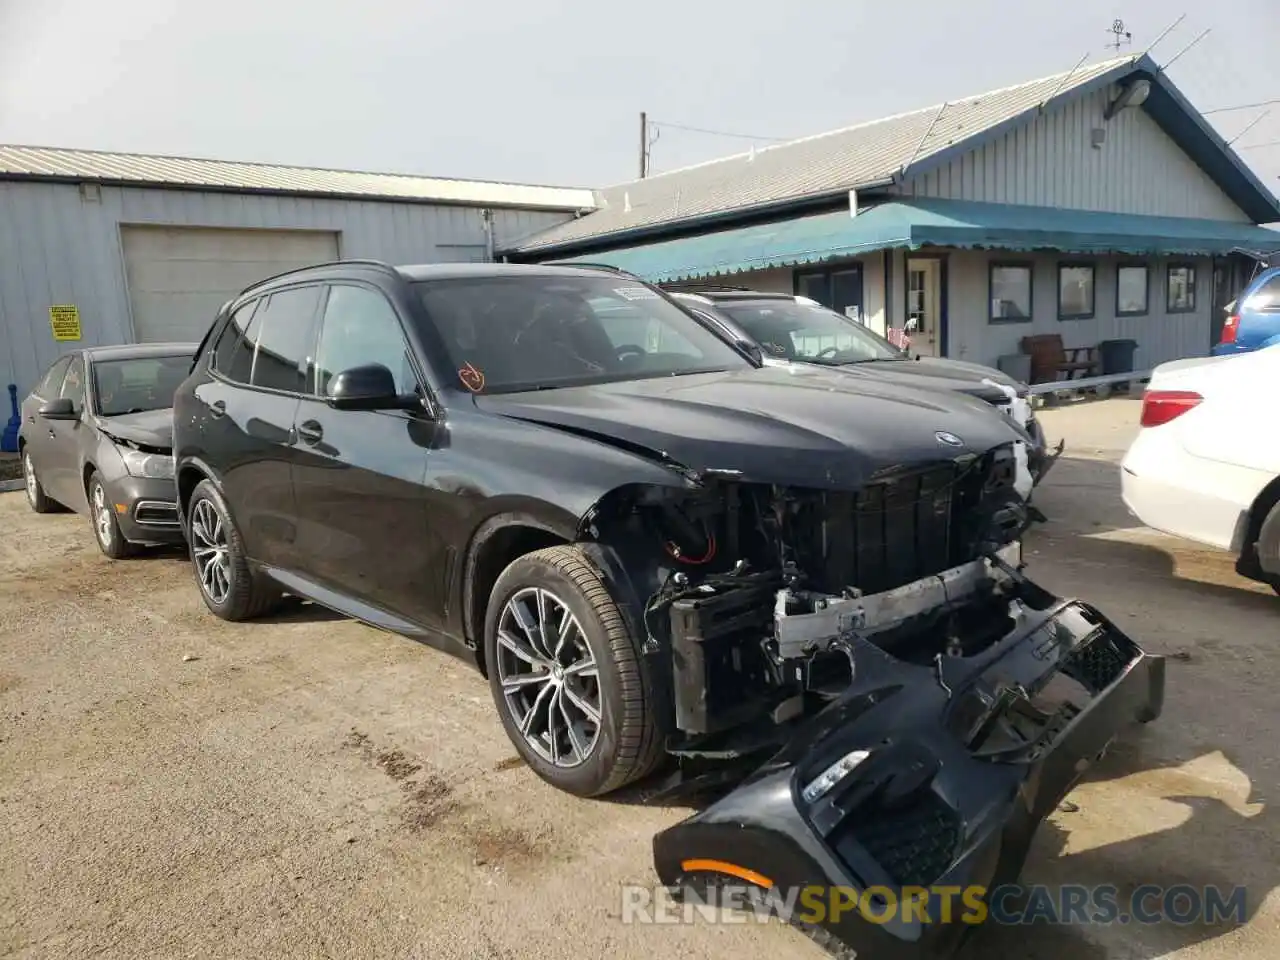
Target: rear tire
x=228, y=585
x=566, y=676
x=36, y=497
x=102, y=517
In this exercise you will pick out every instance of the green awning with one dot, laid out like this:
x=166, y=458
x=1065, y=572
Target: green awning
x=918, y=223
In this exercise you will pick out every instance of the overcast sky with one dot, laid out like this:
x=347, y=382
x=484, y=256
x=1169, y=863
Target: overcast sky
x=550, y=90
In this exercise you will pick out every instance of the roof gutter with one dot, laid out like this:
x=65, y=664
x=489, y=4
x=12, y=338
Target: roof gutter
x=670, y=229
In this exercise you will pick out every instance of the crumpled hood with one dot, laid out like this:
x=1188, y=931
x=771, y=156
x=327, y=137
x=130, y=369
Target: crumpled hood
x=152, y=428
x=941, y=374
x=797, y=425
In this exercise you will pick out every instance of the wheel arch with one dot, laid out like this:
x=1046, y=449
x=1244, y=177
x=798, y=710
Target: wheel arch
x=1249, y=564
x=501, y=539
x=189, y=475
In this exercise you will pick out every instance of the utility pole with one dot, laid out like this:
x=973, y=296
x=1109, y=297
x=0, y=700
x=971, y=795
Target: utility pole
x=644, y=144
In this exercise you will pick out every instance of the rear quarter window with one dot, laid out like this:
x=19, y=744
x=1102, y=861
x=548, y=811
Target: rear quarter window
x=1267, y=297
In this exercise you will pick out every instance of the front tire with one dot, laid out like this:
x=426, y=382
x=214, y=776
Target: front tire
x=36, y=496
x=106, y=529
x=228, y=585
x=566, y=676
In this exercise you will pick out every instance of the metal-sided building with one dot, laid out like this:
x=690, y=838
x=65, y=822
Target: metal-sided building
x=1096, y=204
x=99, y=248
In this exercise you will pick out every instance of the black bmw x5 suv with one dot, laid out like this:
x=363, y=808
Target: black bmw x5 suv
x=655, y=546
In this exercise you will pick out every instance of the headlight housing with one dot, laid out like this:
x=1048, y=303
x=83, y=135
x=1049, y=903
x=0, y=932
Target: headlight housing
x=156, y=466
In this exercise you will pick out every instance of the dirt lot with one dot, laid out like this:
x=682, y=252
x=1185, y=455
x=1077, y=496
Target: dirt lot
x=308, y=787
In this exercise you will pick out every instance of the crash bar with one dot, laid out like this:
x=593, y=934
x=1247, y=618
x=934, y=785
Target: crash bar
x=1085, y=383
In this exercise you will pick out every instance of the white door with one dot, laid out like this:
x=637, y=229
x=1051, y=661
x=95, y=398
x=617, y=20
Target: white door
x=924, y=301
x=179, y=277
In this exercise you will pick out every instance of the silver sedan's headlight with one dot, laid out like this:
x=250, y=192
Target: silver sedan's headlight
x=157, y=466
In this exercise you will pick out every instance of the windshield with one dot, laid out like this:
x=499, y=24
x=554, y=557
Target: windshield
x=137, y=384
x=792, y=330
x=504, y=334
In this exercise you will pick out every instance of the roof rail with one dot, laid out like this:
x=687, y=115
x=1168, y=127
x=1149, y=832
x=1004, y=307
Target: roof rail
x=593, y=266
x=359, y=261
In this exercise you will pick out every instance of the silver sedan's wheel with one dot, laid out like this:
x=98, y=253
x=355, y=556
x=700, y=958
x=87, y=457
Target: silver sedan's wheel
x=209, y=551
x=550, y=682
x=36, y=497
x=103, y=522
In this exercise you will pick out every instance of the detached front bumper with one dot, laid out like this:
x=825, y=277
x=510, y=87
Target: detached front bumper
x=963, y=760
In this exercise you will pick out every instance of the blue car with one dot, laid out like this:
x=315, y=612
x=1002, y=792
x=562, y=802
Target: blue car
x=1253, y=320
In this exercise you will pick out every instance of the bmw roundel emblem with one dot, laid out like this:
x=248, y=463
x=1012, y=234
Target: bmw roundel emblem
x=950, y=439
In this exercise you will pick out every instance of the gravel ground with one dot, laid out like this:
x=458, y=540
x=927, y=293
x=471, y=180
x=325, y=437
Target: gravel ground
x=309, y=787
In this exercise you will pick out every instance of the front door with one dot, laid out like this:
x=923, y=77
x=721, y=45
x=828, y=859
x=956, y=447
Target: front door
x=924, y=306
x=360, y=475
x=60, y=466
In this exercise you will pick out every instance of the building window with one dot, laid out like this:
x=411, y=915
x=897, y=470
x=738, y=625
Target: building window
x=1180, y=288
x=1075, y=291
x=1010, y=292
x=1133, y=289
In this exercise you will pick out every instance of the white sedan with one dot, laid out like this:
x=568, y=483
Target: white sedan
x=1206, y=465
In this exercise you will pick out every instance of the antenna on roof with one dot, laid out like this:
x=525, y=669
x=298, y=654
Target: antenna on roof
x=1121, y=37
x=1063, y=82
x=1168, y=63
x=1164, y=33
x=920, y=146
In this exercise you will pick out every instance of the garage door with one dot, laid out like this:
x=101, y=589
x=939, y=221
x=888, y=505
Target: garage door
x=179, y=276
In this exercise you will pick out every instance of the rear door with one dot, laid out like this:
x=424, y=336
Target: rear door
x=261, y=362
x=360, y=476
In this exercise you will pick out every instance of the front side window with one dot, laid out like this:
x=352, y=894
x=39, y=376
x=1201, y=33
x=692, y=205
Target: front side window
x=504, y=334
x=1180, y=288
x=233, y=356
x=73, y=383
x=360, y=327
x=1010, y=292
x=1075, y=291
x=1132, y=290
x=791, y=330
x=286, y=334
x=137, y=384
x=51, y=382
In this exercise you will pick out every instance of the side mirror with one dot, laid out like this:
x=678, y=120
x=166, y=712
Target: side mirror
x=367, y=387
x=61, y=409
x=752, y=350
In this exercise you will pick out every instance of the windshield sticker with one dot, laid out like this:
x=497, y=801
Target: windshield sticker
x=635, y=293
x=471, y=378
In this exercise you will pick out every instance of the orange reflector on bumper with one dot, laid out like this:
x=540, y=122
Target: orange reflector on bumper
x=731, y=869
x=122, y=508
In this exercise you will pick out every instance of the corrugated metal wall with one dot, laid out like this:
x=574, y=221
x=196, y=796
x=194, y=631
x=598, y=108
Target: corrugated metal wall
x=1160, y=335
x=59, y=248
x=1051, y=163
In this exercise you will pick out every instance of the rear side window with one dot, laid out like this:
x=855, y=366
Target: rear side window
x=51, y=382
x=1267, y=297
x=233, y=357
x=286, y=336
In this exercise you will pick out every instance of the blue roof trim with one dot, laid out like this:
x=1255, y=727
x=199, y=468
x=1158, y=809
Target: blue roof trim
x=920, y=223
x=1170, y=109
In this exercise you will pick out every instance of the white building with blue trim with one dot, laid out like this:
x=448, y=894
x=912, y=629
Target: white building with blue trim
x=1096, y=205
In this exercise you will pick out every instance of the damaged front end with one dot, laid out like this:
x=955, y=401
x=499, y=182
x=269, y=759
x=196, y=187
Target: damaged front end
x=904, y=704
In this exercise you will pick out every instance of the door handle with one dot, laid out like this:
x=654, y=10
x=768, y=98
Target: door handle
x=218, y=408
x=310, y=432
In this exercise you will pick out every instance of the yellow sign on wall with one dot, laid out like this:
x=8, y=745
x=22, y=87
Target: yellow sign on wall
x=65, y=321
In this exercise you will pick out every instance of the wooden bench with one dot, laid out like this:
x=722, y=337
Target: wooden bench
x=1049, y=358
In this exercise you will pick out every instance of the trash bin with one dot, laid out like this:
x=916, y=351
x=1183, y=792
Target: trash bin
x=1016, y=365
x=1117, y=356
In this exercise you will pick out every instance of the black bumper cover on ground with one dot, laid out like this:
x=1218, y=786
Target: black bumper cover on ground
x=968, y=756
